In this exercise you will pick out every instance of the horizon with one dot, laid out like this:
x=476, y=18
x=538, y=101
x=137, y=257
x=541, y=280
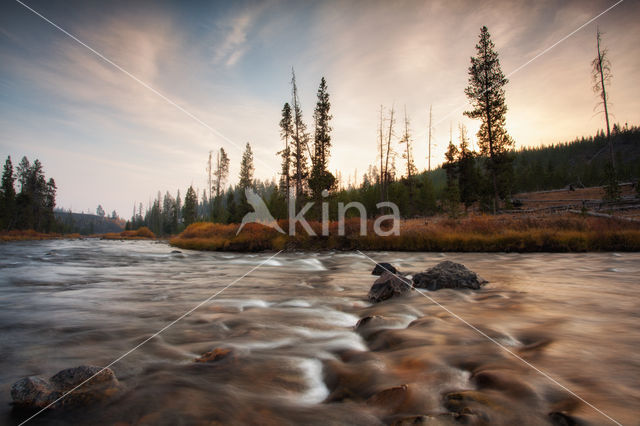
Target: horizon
x=108, y=140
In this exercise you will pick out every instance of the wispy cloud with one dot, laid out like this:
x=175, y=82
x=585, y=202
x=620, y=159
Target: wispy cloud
x=232, y=36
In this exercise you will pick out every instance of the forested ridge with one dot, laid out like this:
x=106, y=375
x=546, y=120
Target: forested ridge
x=580, y=162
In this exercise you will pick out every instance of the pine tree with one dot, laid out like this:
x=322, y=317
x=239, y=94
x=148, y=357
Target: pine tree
x=178, y=209
x=232, y=209
x=300, y=141
x=190, y=210
x=246, y=168
x=49, y=206
x=467, y=173
x=7, y=196
x=23, y=170
x=321, y=178
x=487, y=96
x=220, y=177
x=221, y=172
x=286, y=133
x=452, y=192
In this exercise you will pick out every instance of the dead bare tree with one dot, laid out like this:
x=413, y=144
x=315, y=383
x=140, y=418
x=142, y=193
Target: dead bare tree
x=387, y=175
x=381, y=149
x=601, y=74
x=430, y=120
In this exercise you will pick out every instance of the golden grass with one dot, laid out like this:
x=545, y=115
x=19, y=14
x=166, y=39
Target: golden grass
x=31, y=235
x=142, y=233
x=474, y=234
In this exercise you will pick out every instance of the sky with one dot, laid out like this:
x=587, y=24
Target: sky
x=194, y=76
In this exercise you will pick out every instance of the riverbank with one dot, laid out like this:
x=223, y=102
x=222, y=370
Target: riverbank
x=501, y=233
x=142, y=233
x=31, y=235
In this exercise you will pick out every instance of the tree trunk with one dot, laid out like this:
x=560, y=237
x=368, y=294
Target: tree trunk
x=606, y=111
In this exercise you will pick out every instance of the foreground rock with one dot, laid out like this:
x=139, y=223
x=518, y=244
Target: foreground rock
x=383, y=267
x=387, y=286
x=37, y=393
x=448, y=274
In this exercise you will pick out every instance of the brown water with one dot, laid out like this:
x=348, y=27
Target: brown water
x=297, y=357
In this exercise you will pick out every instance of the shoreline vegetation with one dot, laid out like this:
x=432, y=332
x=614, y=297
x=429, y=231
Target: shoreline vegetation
x=502, y=233
x=564, y=233
x=143, y=233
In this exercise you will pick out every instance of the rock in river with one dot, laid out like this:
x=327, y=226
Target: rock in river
x=448, y=274
x=387, y=286
x=36, y=392
x=380, y=268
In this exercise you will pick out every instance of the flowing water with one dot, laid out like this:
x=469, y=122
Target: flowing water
x=297, y=356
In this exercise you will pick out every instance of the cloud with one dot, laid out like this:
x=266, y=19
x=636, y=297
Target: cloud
x=233, y=35
x=233, y=74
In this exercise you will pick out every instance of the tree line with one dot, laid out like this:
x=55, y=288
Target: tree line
x=486, y=178
x=32, y=207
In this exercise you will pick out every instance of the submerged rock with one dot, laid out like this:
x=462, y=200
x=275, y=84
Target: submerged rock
x=383, y=267
x=390, y=399
x=387, y=286
x=95, y=384
x=562, y=419
x=448, y=274
x=217, y=354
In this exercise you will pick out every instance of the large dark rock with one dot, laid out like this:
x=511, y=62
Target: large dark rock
x=34, y=392
x=387, y=286
x=448, y=274
x=383, y=267
x=95, y=384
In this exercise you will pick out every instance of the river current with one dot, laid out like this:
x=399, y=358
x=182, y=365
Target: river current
x=297, y=356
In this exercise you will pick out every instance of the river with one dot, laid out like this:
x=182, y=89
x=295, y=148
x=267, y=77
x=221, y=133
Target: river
x=296, y=355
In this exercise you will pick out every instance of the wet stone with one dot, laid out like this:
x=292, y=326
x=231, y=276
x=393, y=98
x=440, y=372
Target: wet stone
x=89, y=384
x=448, y=274
x=388, y=286
x=383, y=267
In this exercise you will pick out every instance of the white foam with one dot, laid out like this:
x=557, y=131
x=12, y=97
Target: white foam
x=312, y=372
x=242, y=304
x=339, y=318
x=272, y=344
x=311, y=265
x=254, y=261
x=295, y=303
x=338, y=339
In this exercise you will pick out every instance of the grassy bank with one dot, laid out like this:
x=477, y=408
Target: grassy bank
x=142, y=233
x=481, y=233
x=31, y=235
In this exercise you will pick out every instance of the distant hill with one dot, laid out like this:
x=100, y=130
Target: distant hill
x=580, y=163
x=86, y=224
